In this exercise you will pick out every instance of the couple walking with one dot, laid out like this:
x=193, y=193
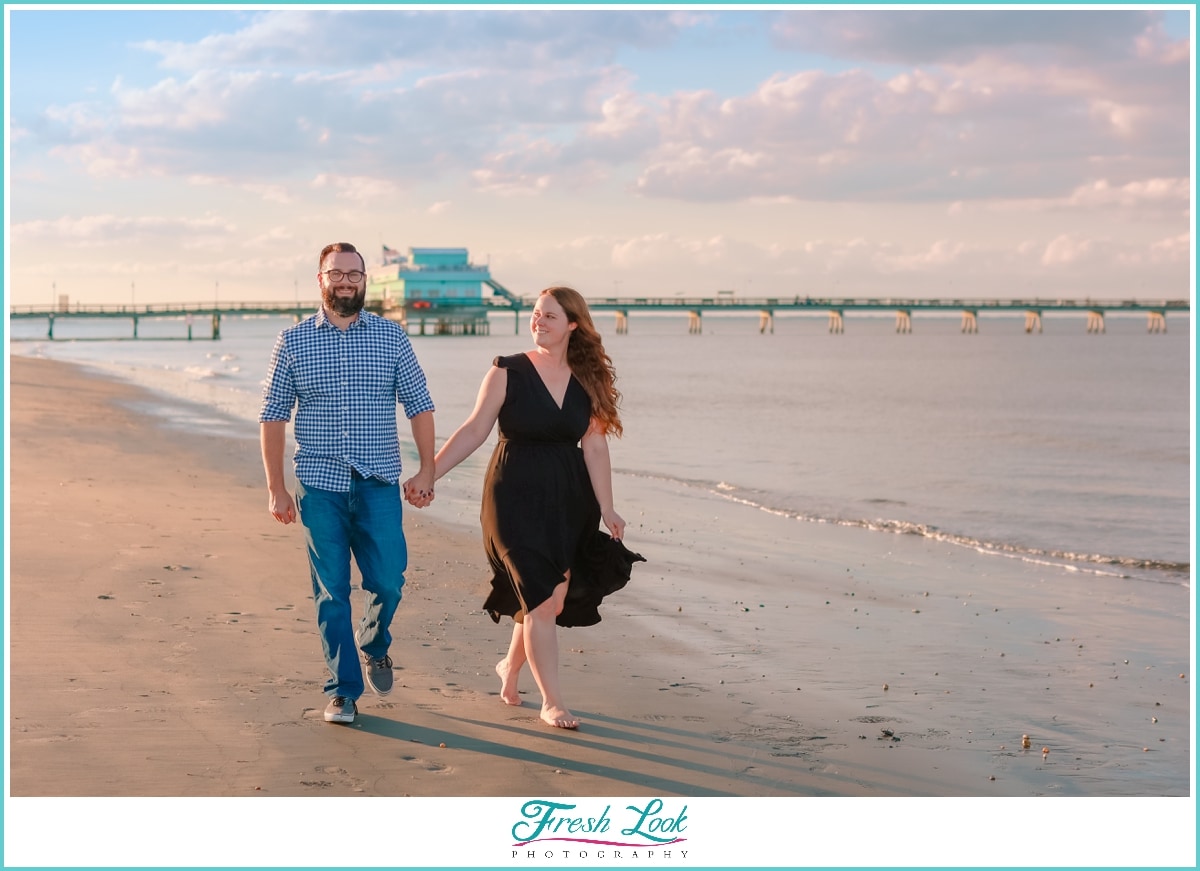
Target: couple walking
x=548, y=485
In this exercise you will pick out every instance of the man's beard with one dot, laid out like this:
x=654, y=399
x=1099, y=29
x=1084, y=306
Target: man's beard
x=345, y=306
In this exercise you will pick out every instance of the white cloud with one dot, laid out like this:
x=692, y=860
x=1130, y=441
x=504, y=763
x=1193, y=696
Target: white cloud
x=1122, y=118
x=1155, y=46
x=1135, y=200
x=109, y=229
x=1066, y=250
x=1176, y=249
x=941, y=254
x=206, y=100
x=509, y=184
x=273, y=236
x=622, y=113
x=911, y=36
x=923, y=134
x=273, y=193
x=642, y=250
x=444, y=101
x=105, y=159
x=399, y=38
x=356, y=188
x=1170, y=192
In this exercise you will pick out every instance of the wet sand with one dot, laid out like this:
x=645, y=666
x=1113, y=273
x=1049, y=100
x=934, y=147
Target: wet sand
x=162, y=643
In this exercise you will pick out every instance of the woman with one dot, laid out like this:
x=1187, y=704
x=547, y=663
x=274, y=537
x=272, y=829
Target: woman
x=548, y=486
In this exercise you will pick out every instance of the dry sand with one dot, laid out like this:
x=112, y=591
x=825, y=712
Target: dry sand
x=162, y=644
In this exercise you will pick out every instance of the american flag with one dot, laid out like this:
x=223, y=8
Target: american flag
x=391, y=255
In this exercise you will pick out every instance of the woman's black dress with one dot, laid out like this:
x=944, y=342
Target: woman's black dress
x=540, y=516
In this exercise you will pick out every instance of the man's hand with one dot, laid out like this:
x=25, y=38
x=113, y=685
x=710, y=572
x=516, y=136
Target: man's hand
x=418, y=489
x=282, y=506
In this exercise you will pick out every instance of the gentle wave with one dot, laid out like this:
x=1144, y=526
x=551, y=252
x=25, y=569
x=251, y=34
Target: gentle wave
x=202, y=372
x=1042, y=556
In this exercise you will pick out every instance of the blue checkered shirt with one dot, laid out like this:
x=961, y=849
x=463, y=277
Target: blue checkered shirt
x=344, y=385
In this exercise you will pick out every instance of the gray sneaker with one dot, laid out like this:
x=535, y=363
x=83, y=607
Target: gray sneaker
x=379, y=673
x=340, y=710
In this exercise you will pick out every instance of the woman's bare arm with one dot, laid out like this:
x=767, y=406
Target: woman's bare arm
x=475, y=429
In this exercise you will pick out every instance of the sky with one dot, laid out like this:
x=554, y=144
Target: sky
x=207, y=154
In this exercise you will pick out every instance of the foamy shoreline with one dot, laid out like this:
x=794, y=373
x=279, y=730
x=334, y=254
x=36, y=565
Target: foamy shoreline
x=189, y=666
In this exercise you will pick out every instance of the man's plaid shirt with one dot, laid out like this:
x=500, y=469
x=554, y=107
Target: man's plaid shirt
x=344, y=385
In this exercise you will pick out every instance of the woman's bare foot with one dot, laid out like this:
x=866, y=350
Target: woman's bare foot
x=508, y=683
x=560, y=717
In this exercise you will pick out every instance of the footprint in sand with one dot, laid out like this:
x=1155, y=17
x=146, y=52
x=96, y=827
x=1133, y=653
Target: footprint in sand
x=333, y=776
x=428, y=764
x=181, y=650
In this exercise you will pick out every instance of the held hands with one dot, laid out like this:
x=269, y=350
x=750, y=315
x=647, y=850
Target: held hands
x=418, y=489
x=616, y=526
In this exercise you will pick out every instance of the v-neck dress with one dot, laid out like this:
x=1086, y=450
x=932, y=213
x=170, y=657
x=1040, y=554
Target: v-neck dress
x=539, y=514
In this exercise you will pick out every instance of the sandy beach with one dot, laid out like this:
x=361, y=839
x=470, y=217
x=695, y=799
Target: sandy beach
x=162, y=644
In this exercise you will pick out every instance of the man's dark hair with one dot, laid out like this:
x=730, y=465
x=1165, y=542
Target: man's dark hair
x=340, y=248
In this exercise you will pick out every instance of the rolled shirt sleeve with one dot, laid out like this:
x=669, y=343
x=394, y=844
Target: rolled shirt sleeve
x=279, y=389
x=411, y=390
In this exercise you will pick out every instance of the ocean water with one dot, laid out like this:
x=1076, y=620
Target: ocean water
x=1063, y=448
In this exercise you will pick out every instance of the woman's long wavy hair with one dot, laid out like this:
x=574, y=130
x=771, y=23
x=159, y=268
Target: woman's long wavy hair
x=588, y=360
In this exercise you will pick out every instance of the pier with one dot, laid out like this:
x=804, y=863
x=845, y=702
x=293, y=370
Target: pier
x=434, y=315
x=196, y=316
x=837, y=308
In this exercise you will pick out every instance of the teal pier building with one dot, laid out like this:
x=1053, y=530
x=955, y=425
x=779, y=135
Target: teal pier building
x=434, y=291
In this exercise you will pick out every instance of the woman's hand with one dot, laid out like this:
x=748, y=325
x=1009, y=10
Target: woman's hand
x=616, y=526
x=415, y=490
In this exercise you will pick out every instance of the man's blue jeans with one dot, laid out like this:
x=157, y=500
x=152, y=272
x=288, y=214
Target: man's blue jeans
x=365, y=522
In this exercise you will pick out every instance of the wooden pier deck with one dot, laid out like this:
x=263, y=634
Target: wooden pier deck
x=441, y=315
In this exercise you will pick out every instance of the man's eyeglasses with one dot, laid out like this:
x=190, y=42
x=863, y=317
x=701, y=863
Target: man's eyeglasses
x=337, y=275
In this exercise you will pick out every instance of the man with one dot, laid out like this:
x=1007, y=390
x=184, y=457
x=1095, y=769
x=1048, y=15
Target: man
x=343, y=370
